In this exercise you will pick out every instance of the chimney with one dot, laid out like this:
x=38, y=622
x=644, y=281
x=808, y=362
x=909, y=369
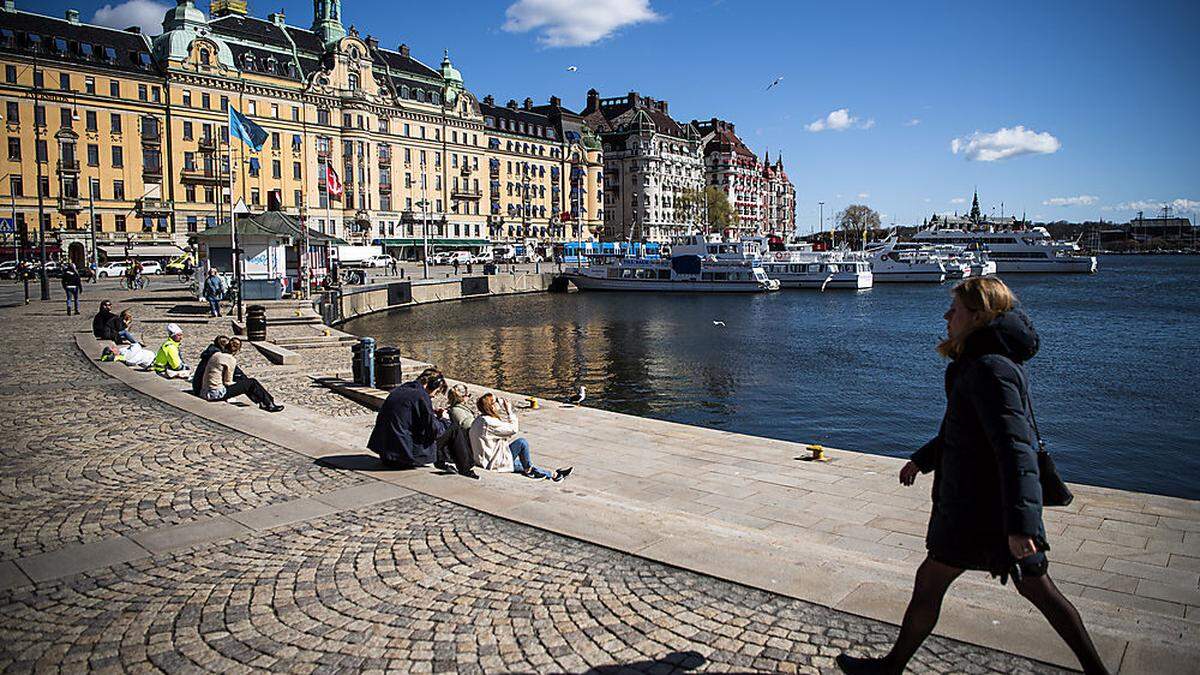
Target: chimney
x=512, y=104
x=593, y=101
x=634, y=99
x=404, y=50
x=489, y=100
x=277, y=18
x=372, y=43
x=555, y=102
x=8, y=6
x=527, y=103
x=661, y=105
x=72, y=16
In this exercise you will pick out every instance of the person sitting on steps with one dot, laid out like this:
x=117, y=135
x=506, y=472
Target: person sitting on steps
x=454, y=446
x=218, y=383
x=407, y=427
x=219, y=344
x=495, y=444
x=167, y=361
x=100, y=321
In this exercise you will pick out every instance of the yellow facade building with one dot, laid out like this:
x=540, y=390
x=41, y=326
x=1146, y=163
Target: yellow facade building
x=134, y=130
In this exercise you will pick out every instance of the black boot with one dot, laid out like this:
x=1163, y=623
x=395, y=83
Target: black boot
x=857, y=665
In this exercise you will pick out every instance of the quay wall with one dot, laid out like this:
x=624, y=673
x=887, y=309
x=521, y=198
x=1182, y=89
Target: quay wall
x=338, y=307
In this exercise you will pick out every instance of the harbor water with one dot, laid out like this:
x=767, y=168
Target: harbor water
x=1116, y=385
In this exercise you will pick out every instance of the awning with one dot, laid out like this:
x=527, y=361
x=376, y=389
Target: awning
x=143, y=251
x=413, y=241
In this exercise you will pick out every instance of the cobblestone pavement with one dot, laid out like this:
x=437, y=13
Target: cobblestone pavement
x=413, y=584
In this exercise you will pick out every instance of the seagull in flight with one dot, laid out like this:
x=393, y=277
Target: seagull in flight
x=571, y=69
x=719, y=323
x=777, y=81
x=579, y=396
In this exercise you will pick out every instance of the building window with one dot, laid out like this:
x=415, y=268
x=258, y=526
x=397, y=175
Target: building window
x=14, y=149
x=187, y=131
x=16, y=186
x=118, y=157
x=90, y=120
x=276, y=169
x=89, y=85
x=64, y=81
x=120, y=222
x=10, y=74
x=142, y=93
x=192, y=223
x=119, y=190
x=13, y=112
x=114, y=123
x=93, y=154
x=114, y=88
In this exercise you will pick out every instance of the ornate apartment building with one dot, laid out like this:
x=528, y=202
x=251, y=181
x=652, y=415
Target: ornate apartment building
x=544, y=172
x=649, y=160
x=135, y=130
x=761, y=196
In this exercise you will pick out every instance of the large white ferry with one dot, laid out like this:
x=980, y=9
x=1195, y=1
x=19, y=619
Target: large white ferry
x=817, y=269
x=695, y=265
x=1032, y=250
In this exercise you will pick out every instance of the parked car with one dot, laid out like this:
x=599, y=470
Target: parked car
x=461, y=257
x=112, y=269
x=151, y=267
x=53, y=268
x=377, y=261
x=8, y=269
x=481, y=257
x=442, y=258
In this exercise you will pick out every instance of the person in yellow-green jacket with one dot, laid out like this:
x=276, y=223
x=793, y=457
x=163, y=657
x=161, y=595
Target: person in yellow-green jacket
x=168, y=362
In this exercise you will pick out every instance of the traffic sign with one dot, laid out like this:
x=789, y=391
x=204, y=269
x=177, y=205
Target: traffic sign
x=6, y=226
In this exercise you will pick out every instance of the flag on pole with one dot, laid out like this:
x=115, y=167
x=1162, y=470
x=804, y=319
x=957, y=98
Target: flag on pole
x=244, y=128
x=333, y=184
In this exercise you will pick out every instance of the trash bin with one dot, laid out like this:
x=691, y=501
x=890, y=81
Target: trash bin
x=362, y=362
x=387, y=368
x=256, y=323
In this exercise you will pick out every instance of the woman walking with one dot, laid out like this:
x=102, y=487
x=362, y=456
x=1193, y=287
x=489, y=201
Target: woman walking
x=987, y=498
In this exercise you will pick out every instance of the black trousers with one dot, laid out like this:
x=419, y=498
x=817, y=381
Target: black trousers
x=252, y=389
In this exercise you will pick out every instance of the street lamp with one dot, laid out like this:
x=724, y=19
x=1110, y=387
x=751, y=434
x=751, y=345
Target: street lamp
x=424, y=204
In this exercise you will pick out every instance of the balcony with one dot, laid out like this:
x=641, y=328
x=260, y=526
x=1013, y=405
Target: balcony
x=69, y=166
x=151, y=136
x=154, y=207
x=69, y=205
x=152, y=173
x=385, y=188
x=466, y=193
x=205, y=175
x=385, y=160
x=207, y=145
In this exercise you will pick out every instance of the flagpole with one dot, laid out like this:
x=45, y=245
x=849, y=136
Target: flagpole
x=233, y=227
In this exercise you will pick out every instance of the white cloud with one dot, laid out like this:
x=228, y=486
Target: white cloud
x=868, y=124
x=145, y=14
x=838, y=120
x=927, y=200
x=864, y=195
x=1081, y=200
x=568, y=23
x=1005, y=143
x=959, y=200
x=1179, y=204
x=913, y=122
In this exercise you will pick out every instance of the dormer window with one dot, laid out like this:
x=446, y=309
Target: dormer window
x=60, y=46
x=143, y=59
x=353, y=82
x=85, y=50
x=205, y=58
x=7, y=37
x=110, y=54
x=34, y=40
x=435, y=97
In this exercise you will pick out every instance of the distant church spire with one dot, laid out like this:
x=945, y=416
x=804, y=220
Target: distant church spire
x=975, y=208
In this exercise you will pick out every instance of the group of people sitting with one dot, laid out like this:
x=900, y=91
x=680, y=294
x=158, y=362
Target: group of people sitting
x=409, y=432
x=216, y=376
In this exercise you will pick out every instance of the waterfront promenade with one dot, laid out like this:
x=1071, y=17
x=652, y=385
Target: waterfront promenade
x=143, y=528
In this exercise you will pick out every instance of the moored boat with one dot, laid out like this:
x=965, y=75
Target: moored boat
x=694, y=266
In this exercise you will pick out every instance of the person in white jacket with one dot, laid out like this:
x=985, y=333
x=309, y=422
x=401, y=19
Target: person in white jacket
x=495, y=445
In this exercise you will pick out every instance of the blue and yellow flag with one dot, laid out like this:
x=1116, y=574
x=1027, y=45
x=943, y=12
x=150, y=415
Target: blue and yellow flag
x=242, y=127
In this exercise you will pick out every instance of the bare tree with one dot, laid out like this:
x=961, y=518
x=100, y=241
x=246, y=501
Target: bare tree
x=856, y=220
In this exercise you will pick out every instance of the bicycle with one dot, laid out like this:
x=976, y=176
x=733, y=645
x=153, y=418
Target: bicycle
x=136, y=283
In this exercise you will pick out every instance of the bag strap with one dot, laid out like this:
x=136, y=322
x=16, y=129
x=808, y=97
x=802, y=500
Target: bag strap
x=1032, y=416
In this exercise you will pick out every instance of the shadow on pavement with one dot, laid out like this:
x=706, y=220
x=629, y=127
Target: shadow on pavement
x=361, y=462
x=676, y=662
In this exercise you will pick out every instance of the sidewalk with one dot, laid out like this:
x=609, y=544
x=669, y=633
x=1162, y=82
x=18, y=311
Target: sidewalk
x=842, y=534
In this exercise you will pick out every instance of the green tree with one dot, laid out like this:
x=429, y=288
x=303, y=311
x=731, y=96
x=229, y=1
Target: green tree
x=720, y=212
x=856, y=220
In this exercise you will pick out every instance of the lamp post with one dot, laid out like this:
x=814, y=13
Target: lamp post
x=424, y=204
x=821, y=222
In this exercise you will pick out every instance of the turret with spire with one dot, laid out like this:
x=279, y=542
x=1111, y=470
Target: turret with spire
x=327, y=21
x=975, y=209
x=452, y=80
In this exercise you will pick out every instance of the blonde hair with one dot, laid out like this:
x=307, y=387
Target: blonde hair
x=457, y=394
x=487, y=405
x=986, y=298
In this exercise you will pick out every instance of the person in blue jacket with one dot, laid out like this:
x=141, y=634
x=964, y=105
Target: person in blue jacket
x=987, y=495
x=407, y=426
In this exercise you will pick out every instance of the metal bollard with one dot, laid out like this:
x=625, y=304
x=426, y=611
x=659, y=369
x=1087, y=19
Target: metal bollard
x=366, y=367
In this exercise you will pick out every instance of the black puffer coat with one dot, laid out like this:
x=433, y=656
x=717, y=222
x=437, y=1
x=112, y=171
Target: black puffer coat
x=984, y=457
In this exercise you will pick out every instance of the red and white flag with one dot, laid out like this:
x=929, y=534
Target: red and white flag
x=333, y=184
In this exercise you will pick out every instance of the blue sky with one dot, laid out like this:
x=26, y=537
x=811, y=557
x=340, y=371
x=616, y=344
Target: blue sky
x=1062, y=110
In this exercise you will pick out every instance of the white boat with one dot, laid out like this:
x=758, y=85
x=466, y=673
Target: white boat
x=817, y=269
x=892, y=264
x=694, y=266
x=1032, y=250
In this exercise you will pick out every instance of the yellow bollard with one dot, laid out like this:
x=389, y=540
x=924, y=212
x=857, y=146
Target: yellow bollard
x=533, y=403
x=818, y=452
